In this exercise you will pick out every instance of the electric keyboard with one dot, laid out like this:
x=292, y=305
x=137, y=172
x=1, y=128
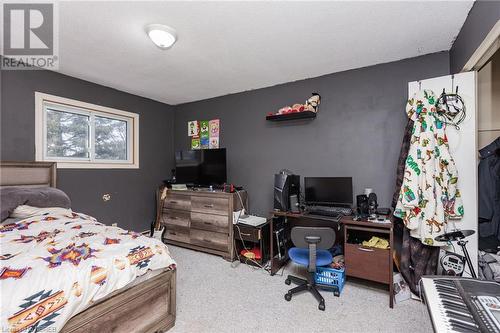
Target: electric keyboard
x=458, y=304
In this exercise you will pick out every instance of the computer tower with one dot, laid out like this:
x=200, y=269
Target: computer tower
x=285, y=185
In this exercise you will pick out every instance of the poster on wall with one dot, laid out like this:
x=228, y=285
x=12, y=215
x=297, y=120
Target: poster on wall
x=204, y=132
x=195, y=143
x=204, y=142
x=214, y=126
x=193, y=128
x=214, y=143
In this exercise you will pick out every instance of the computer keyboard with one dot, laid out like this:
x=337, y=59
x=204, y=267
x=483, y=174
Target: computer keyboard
x=329, y=211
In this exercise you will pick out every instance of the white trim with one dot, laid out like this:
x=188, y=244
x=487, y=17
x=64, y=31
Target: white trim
x=92, y=165
x=91, y=146
x=74, y=106
x=39, y=115
x=84, y=105
x=485, y=50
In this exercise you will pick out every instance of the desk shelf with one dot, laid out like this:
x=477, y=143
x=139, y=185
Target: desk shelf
x=369, y=263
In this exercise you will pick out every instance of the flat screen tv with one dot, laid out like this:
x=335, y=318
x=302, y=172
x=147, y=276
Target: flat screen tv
x=203, y=167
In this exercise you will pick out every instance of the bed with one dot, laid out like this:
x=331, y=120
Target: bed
x=144, y=304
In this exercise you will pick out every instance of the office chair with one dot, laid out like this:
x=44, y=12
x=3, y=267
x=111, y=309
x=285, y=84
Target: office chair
x=311, y=251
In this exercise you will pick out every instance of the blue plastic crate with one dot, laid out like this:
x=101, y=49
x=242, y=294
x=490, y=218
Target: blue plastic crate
x=330, y=277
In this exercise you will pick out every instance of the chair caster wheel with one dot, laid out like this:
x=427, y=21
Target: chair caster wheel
x=321, y=306
x=288, y=297
x=288, y=281
x=336, y=293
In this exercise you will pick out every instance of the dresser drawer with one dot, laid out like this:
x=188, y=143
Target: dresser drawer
x=177, y=201
x=175, y=217
x=219, y=206
x=209, y=239
x=247, y=233
x=210, y=222
x=367, y=263
x=178, y=234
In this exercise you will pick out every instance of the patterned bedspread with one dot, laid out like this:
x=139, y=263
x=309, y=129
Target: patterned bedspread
x=54, y=266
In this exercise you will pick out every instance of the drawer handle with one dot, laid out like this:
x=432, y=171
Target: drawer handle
x=365, y=249
x=209, y=223
x=173, y=233
x=208, y=206
x=207, y=240
x=245, y=234
x=173, y=201
x=173, y=218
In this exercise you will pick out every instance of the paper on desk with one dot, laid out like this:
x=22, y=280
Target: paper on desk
x=237, y=214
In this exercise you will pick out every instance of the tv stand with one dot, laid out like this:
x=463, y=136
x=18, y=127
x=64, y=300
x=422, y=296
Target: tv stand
x=199, y=220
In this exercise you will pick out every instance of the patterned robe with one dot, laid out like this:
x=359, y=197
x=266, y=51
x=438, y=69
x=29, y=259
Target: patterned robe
x=429, y=195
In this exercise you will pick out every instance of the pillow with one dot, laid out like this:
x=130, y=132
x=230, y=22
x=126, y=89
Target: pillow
x=11, y=197
x=9, y=220
x=25, y=211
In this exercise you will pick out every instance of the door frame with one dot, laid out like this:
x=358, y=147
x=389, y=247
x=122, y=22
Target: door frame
x=485, y=50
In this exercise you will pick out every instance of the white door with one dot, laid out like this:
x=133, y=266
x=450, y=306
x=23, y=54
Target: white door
x=463, y=149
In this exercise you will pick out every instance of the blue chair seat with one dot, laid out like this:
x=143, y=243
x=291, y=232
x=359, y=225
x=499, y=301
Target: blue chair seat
x=301, y=256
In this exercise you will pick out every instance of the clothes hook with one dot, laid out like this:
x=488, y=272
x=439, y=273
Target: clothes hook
x=452, y=84
x=419, y=85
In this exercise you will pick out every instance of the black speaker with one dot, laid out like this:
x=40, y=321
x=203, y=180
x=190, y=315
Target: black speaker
x=362, y=205
x=285, y=185
x=372, y=204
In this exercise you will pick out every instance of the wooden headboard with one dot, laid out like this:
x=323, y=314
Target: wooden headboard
x=28, y=174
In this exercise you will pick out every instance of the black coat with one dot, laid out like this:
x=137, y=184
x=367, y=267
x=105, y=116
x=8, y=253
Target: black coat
x=489, y=190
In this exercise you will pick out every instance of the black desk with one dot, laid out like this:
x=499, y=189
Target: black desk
x=291, y=220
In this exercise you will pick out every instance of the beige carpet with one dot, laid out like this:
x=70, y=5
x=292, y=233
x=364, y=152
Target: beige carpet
x=214, y=297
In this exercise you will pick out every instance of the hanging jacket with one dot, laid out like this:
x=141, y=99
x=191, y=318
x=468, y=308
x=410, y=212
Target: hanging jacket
x=403, y=154
x=429, y=195
x=415, y=258
x=489, y=190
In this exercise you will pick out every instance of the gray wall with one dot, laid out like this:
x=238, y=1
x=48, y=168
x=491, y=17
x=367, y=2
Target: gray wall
x=357, y=132
x=482, y=17
x=133, y=191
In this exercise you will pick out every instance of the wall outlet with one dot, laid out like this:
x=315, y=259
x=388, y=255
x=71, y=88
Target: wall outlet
x=114, y=224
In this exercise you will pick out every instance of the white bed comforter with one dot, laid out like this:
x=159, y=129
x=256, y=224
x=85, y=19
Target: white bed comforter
x=54, y=266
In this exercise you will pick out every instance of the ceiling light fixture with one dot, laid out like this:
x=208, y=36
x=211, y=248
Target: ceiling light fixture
x=163, y=36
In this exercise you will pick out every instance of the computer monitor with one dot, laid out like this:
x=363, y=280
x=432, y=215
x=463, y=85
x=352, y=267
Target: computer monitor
x=328, y=191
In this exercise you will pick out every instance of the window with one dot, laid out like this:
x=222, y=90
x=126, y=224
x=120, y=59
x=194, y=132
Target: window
x=82, y=135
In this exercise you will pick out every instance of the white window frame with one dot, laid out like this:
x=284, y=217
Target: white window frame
x=44, y=101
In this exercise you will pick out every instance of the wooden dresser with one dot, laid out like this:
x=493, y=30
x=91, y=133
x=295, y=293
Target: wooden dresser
x=199, y=220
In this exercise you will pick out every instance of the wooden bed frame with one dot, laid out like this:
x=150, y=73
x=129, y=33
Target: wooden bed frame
x=148, y=306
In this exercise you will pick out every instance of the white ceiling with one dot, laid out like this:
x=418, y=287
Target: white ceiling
x=228, y=47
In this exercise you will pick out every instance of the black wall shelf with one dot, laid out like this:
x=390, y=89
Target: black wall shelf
x=292, y=116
